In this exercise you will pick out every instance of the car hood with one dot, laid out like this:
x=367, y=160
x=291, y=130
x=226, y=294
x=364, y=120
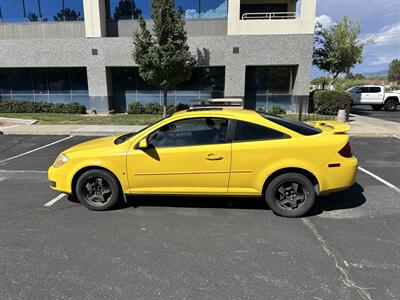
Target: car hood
x=93, y=144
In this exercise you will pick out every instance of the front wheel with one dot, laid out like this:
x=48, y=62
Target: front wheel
x=391, y=105
x=97, y=190
x=290, y=195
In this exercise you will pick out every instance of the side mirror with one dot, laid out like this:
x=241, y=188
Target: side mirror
x=142, y=144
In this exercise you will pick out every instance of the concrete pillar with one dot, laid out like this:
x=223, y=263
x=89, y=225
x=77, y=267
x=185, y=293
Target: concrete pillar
x=235, y=76
x=100, y=87
x=308, y=10
x=233, y=16
x=95, y=18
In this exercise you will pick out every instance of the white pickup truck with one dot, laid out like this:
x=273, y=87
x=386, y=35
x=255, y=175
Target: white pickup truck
x=375, y=96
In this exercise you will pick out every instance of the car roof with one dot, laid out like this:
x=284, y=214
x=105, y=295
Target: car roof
x=208, y=111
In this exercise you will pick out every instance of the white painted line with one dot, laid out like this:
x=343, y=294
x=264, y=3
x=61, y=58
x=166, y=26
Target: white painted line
x=51, y=202
x=2, y=179
x=380, y=179
x=34, y=150
x=23, y=171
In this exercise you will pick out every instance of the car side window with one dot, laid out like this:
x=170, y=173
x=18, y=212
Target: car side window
x=374, y=89
x=190, y=132
x=364, y=90
x=245, y=132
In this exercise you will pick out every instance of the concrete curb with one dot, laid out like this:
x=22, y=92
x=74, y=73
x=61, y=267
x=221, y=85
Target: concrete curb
x=26, y=122
x=374, y=135
x=75, y=130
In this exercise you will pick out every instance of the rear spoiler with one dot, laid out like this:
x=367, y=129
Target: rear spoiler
x=331, y=126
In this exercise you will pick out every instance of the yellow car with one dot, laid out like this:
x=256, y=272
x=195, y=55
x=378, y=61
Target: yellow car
x=212, y=152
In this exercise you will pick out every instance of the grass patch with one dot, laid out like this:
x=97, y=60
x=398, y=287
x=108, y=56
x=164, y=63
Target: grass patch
x=59, y=119
x=119, y=119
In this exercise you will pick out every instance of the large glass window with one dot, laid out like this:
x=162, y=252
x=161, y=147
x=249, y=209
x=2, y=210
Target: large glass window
x=57, y=85
x=41, y=10
x=127, y=9
x=129, y=87
x=192, y=9
x=268, y=85
x=190, y=132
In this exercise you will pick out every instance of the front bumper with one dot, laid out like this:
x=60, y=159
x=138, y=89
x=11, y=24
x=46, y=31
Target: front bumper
x=59, y=180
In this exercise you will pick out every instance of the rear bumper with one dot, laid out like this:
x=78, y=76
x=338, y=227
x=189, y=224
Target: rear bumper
x=341, y=177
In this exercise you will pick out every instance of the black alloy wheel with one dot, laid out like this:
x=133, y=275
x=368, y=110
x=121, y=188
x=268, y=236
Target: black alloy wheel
x=97, y=190
x=290, y=195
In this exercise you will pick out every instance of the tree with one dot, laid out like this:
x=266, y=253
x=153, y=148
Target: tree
x=394, y=70
x=163, y=56
x=338, y=49
x=67, y=14
x=355, y=76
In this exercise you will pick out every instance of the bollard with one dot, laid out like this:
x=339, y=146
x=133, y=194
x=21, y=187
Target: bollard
x=341, y=116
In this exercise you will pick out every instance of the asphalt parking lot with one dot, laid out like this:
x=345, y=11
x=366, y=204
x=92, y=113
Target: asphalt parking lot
x=367, y=111
x=348, y=247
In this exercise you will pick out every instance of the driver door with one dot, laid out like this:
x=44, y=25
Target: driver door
x=188, y=156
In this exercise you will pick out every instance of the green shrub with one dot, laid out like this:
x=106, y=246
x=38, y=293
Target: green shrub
x=13, y=106
x=329, y=102
x=135, y=108
x=153, y=108
x=171, y=109
x=181, y=106
x=276, y=110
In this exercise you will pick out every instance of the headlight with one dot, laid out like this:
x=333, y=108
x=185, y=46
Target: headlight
x=61, y=160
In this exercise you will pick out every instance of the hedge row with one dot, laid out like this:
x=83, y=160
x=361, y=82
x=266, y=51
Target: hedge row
x=11, y=106
x=153, y=108
x=329, y=102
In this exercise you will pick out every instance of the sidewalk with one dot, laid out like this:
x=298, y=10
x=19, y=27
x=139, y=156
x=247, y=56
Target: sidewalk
x=83, y=130
x=371, y=127
x=360, y=126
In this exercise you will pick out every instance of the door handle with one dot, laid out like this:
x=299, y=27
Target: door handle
x=213, y=156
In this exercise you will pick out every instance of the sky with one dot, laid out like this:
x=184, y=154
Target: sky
x=380, y=21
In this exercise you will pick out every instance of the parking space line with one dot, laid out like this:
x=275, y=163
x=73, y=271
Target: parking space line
x=23, y=171
x=2, y=179
x=34, y=150
x=380, y=179
x=51, y=202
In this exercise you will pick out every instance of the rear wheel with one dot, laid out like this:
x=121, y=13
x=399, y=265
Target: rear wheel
x=290, y=195
x=97, y=190
x=377, y=106
x=391, y=105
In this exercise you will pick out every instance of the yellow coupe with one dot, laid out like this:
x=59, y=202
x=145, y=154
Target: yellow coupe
x=212, y=152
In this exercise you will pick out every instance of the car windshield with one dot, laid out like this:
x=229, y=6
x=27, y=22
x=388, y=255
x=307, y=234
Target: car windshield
x=125, y=137
x=352, y=89
x=298, y=127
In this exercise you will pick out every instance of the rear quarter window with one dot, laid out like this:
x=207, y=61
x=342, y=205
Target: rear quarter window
x=246, y=132
x=295, y=126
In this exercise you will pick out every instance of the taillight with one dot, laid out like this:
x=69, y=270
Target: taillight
x=346, y=151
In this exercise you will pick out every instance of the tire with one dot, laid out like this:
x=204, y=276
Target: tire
x=377, y=106
x=282, y=191
x=97, y=190
x=391, y=105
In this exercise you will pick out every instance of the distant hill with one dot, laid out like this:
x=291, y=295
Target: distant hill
x=378, y=73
